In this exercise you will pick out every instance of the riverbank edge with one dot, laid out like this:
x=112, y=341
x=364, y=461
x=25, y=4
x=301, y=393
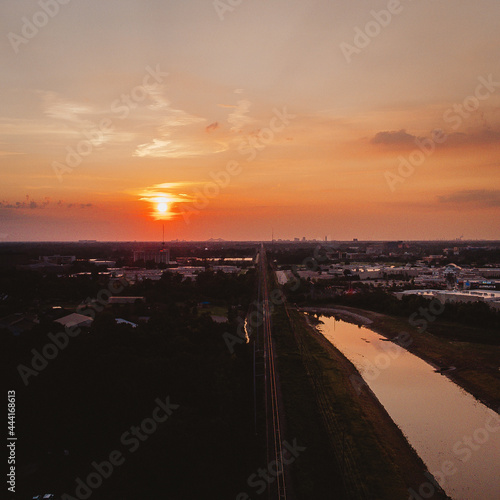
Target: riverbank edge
x=391, y=439
x=374, y=321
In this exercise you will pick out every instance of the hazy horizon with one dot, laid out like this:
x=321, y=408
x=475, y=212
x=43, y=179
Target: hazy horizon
x=291, y=240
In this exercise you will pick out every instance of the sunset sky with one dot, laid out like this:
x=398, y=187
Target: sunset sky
x=230, y=119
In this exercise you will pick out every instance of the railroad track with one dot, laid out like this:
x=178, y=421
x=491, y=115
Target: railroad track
x=339, y=442
x=274, y=438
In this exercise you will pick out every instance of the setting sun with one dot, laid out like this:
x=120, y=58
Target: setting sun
x=162, y=207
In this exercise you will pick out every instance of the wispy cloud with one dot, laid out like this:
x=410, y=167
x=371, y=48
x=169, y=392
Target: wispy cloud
x=177, y=132
x=157, y=95
x=9, y=153
x=179, y=118
x=171, y=117
x=239, y=117
x=401, y=138
x=213, y=126
x=61, y=108
x=484, y=136
x=179, y=148
x=78, y=119
x=157, y=148
x=29, y=204
x=394, y=138
x=480, y=197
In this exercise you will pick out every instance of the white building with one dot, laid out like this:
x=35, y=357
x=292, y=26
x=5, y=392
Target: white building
x=75, y=319
x=492, y=298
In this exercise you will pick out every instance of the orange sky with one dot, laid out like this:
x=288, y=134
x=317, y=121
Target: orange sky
x=311, y=119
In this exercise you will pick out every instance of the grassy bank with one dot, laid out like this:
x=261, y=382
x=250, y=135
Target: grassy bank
x=354, y=450
x=316, y=472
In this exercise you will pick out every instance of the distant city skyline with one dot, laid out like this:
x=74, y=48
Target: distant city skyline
x=376, y=122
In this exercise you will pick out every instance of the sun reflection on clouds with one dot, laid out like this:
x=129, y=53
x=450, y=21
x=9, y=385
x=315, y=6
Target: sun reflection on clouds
x=164, y=199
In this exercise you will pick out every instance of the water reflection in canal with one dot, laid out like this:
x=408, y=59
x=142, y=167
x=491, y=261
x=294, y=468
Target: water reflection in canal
x=457, y=437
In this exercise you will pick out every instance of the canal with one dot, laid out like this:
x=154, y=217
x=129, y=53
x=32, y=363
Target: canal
x=456, y=436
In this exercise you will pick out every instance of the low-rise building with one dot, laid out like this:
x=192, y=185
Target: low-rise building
x=99, y=262
x=58, y=260
x=125, y=300
x=492, y=298
x=75, y=320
